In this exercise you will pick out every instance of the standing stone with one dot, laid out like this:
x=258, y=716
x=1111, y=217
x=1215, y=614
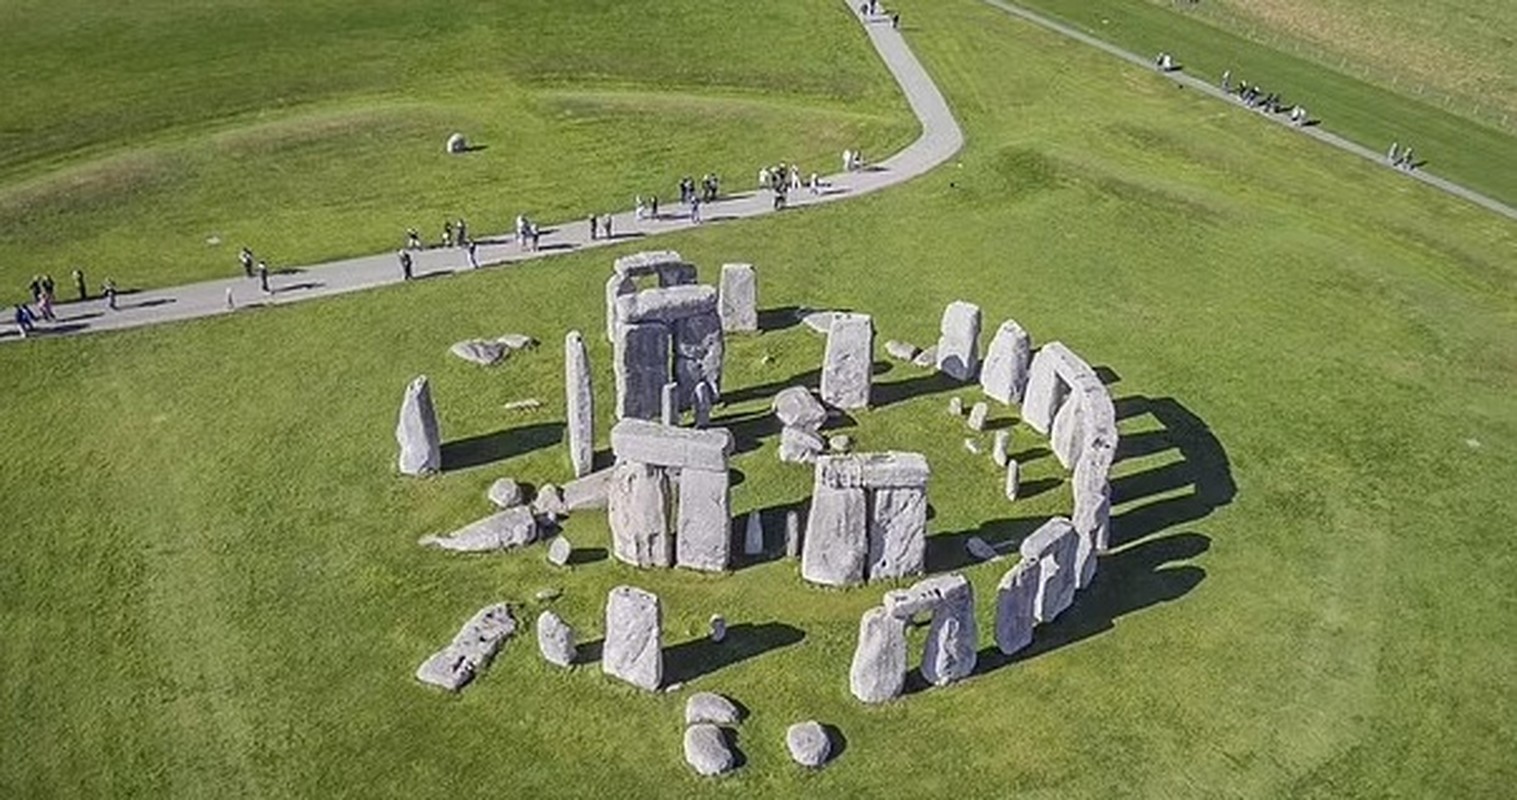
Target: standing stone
x=580, y=401
x=616, y=286
x=959, y=341
x=897, y=533
x=669, y=404
x=792, y=534
x=1092, y=522
x=718, y=628
x=642, y=369
x=952, y=638
x=704, y=541
x=555, y=639
x=836, y=543
x=738, y=298
x=753, y=536
x=706, y=750
x=977, y=414
x=848, y=363
x=796, y=408
x=956, y=406
x=633, y=650
x=1013, y=479
x=1004, y=374
x=704, y=399
x=698, y=354
x=1047, y=388
x=1015, y=598
x=417, y=431
x=559, y=551
x=638, y=503
x=1064, y=437
x=1000, y=447
x=878, y=672
x=1053, y=547
x=808, y=744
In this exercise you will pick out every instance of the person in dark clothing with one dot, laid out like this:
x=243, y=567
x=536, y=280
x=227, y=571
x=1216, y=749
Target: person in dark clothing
x=895, y=21
x=405, y=265
x=594, y=228
x=263, y=278
x=607, y=220
x=109, y=289
x=413, y=239
x=84, y=293
x=246, y=259
x=36, y=288
x=654, y=206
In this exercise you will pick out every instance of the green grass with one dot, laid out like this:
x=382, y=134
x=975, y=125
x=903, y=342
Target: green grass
x=209, y=583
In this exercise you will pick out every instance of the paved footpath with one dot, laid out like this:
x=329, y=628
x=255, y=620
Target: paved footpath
x=940, y=139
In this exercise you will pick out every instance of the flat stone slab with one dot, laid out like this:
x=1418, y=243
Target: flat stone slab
x=471, y=650
x=887, y=470
x=503, y=530
x=633, y=649
x=901, y=351
x=669, y=446
x=651, y=262
x=712, y=708
x=555, y=639
x=667, y=304
x=796, y=407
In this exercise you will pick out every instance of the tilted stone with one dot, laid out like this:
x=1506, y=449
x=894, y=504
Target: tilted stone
x=927, y=359
x=1053, y=546
x=555, y=639
x=878, y=672
x=505, y=493
x=1003, y=376
x=511, y=527
x=888, y=470
x=587, y=493
x=836, y=542
x=471, y=649
x=704, y=541
x=797, y=408
x=808, y=743
x=897, y=534
x=638, y=506
x=417, y=432
x=712, y=709
x=580, y=401
x=642, y=368
x=698, y=356
x=977, y=414
x=633, y=649
x=668, y=446
x=958, y=353
x=739, y=298
x=848, y=363
x=666, y=304
x=1015, y=598
x=706, y=750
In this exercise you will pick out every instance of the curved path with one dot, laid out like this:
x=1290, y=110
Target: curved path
x=939, y=140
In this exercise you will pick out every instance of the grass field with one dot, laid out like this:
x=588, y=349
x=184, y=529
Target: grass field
x=209, y=583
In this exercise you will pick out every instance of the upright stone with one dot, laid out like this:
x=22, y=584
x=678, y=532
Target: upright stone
x=753, y=535
x=580, y=401
x=1046, y=387
x=633, y=650
x=738, y=298
x=1092, y=491
x=878, y=672
x=959, y=341
x=1015, y=597
x=848, y=361
x=698, y=354
x=836, y=542
x=977, y=414
x=897, y=533
x=642, y=369
x=417, y=432
x=1013, y=480
x=792, y=534
x=704, y=399
x=1004, y=373
x=555, y=639
x=705, y=540
x=638, y=503
x=1053, y=547
x=616, y=286
x=999, y=451
x=669, y=404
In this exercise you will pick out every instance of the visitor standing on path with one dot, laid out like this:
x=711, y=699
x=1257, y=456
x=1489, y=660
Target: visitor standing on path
x=263, y=278
x=413, y=239
x=473, y=254
x=695, y=209
x=607, y=220
x=447, y=233
x=405, y=265
x=246, y=259
x=462, y=236
x=594, y=229
x=230, y=302
x=84, y=292
x=109, y=289
x=895, y=21
x=45, y=307
x=23, y=319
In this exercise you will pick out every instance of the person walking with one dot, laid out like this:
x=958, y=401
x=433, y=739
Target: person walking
x=23, y=319
x=695, y=209
x=607, y=220
x=45, y=307
x=405, y=265
x=594, y=227
x=653, y=206
x=447, y=233
x=895, y=21
x=230, y=302
x=462, y=233
x=84, y=292
x=246, y=259
x=109, y=289
x=473, y=254
x=1393, y=156
x=263, y=277
x=413, y=239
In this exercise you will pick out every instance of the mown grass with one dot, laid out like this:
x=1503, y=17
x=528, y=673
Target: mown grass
x=209, y=582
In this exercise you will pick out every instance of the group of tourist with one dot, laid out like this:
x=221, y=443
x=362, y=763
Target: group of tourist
x=1401, y=159
x=604, y=229
x=527, y=233
x=44, y=293
x=709, y=190
x=1265, y=102
x=1165, y=62
x=254, y=268
x=871, y=8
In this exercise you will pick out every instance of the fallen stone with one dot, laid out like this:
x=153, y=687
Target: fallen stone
x=549, y=502
x=820, y=321
x=977, y=414
x=547, y=595
x=800, y=446
x=718, y=629
x=555, y=639
x=878, y=672
x=840, y=443
x=633, y=649
x=901, y=351
x=527, y=404
x=505, y=493
x=999, y=450
x=517, y=341
x=580, y=401
x=417, y=432
x=796, y=408
x=471, y=649
x=560, y=551
x=512, y=527
x=753, y=535
x=927, y=359
x=711, y=708
x=972, y=446
x=1003, y=376
x=738, y=298
x=588, y=492
x=480, y=351
x=958, y=353
x=456, y=144
x=848, y=363
x=980, y=549
x=706, y=750
x=808, y=744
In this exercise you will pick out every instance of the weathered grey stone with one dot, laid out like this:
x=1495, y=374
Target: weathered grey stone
x=711, y=708
x=958, y=353
x=1003, y=376
x=956, y=406
x=792, y=534
x=633, y=650
x=1092, y=491
x=642, y=368
x=580, y=401
x=796, y=408
x=512, y=527
x=738, y=298
x=669, y=404
x=1013, y=479
x=1000, y=448
x=972, y=446
x=718, y=629
x=668, y=265
x=1086, y=419
x=706, y=750
x=798, y=446
x=980, y=549
x=953, y=638
x=471, y=649
x=517, y=341
x=555, y=639
x=705, y=398
x=417, y=432
x=666, y=304
x=753, y=535
x=548, y=594
x=698, y=355
x=549, y=502
x=1054, y=547
x=927, y=359
x=505, y=493
x=808, y=744
x=638, y=505
x=820, y=321
x=878, y=672
x=923, y=596
x=847, y=365
x=897, y=534
x=616, y=286
x=1054, y=371
x=901, y=351
x=705, y=520
x=480, y=351
x=668, y=446
x=587, y=493
x=887, y=470
x=794, y=453
x=977, y=414
x=1015, y=598
x=836, y=542
x=839, y=444
x=559, y=551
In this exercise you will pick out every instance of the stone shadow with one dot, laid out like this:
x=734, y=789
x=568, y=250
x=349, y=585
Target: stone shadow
x=888, y=394
x=488, y=448
x=686, y=661
x=589, y=652
x=778, y=319
x=946, y=553
x=580, y=556
x=772, y=518
x=837, y=739
x=1204, y=466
